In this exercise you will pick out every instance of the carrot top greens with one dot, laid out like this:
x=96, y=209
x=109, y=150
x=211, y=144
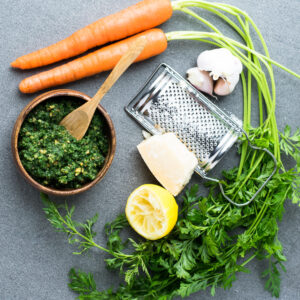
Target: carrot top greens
x=212, y=240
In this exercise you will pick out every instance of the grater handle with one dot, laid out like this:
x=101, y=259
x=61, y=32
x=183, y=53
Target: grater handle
x=261, y=187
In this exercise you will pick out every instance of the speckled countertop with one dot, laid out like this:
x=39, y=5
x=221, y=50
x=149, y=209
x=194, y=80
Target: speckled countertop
x=34, y=259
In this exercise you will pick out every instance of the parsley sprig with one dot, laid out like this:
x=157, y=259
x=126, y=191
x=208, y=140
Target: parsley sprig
x=82, y=234
x=290, y=144
x=203, y=250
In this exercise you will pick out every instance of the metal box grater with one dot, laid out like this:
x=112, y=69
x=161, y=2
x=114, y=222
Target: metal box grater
x=168, y=103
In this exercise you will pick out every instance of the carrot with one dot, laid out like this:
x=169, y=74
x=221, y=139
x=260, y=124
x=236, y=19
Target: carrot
x=144, y=15
x=101, y=60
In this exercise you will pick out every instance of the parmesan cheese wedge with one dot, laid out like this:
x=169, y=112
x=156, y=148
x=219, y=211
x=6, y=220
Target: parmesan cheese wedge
x=169, y=160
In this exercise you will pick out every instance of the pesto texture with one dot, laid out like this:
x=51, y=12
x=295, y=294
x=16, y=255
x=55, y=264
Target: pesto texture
x=52, y=156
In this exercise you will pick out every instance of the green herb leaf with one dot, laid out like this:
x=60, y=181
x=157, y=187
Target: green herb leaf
x=84, y=284
x=273, y=279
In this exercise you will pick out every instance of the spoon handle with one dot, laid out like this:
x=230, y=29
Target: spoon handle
x=78, y=121
x=127, y=59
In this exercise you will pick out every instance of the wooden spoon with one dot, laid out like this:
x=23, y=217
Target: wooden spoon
x=78, y=121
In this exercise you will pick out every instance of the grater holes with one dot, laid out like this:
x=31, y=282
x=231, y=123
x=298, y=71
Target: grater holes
x=176, y=111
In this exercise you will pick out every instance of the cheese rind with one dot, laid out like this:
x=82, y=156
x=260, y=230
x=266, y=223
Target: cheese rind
x=169, y=160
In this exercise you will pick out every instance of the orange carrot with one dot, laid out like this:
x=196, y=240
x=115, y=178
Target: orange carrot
x=101, y=60
x=144, y=15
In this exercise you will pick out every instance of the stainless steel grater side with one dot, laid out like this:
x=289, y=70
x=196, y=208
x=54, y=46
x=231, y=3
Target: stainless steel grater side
x=168, y=103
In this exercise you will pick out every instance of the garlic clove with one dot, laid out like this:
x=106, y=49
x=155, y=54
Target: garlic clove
x=224, y=86
x=222, y=66
x=200, y=80
x=220, y=62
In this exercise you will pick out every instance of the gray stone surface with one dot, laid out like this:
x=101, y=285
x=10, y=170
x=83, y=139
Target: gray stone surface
x=34, y=259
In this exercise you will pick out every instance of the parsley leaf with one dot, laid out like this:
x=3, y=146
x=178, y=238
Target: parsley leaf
x=273, y=278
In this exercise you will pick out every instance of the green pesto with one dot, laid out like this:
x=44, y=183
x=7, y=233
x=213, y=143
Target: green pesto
x=51, y=155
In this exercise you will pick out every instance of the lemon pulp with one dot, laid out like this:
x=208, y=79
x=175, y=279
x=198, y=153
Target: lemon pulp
x=151, y=211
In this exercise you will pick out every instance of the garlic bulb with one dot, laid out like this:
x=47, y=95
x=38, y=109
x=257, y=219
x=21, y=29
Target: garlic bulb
x=222, y=66
x=200, y=80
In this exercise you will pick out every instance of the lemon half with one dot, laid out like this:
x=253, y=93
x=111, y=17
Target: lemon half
x=151, y=211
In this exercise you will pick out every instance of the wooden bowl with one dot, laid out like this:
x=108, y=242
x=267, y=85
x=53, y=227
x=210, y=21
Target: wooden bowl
x=15, y=134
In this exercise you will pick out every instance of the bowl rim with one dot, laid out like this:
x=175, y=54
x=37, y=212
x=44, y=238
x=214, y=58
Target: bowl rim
x=19, y=122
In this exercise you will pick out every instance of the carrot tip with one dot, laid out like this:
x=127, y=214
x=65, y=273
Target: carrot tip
x=22, y=87
x=15, y=64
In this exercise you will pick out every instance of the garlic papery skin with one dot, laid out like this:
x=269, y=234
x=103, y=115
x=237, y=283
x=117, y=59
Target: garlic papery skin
x=221, y=63
x=200, y=80
x=225, y=87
